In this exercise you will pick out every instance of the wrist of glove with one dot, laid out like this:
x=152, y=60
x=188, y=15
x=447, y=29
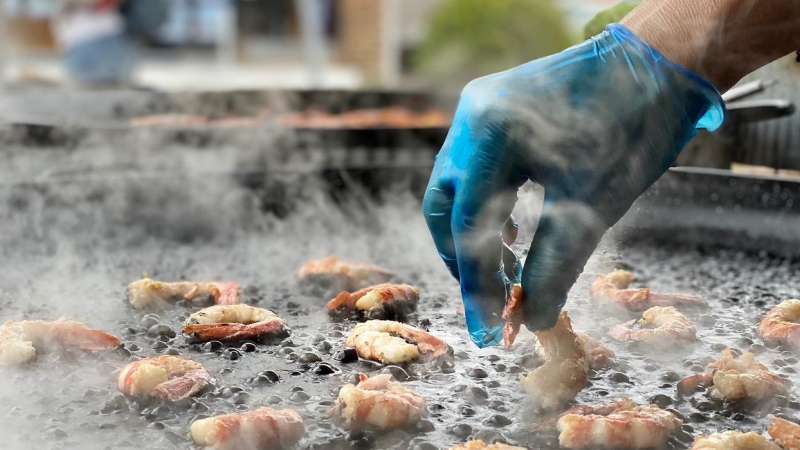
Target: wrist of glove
x=595, y=125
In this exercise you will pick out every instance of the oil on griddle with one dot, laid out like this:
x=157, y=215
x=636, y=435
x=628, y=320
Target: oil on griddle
x=71, y=245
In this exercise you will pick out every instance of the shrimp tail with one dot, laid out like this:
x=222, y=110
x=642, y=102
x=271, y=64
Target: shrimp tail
x=191, y=383
x=344, y=300
x=84, y=337
x=690, y=384
x=228, y=293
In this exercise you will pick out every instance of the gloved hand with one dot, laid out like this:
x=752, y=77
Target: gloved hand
x=595, y=125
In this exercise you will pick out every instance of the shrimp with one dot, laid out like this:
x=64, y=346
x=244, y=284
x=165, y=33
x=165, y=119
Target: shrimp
x=233, y=323
x=598, y=355
x=170, y=377
x=374, y=299
x=348, y=276
x=146, y=291
x=19, y=340
x=480, y=445
x=512, y=314
x=393, y=342
x=264, y=429
x=782, y=323
x=733, y=440
x=565, y=371
x=613, y=288
x=623, y=424
x=785, y=433
x=378, y=403
x=661, y=326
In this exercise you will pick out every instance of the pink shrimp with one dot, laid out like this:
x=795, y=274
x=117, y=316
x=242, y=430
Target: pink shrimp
x=659, y=327
x=147, y=291
x=265, y=428
x=392, y=342
x=375, y=297
x=785, y=433
x=782, y=323
x=378, y=403
x=19, y=340
x=613, y=288
x=233, y=323
x=170, y=377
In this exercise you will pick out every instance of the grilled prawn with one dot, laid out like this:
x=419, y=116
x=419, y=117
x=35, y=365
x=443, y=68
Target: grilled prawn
x=170, y=377
x=378, y=403
x=735, y=379
x=19, y=340
x=782, y=323
x=375, y=299
x=660, y=326
x=565, y=371
x=147, y=291
x=347, y=276
x=264, y=429
x=480, y=445
x=613, y=288
x=733, y=440
x=785, y=433
x=233, y=323
x=622, y=424
x=393, y=342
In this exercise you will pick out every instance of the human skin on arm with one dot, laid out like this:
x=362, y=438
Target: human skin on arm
x=720, y=40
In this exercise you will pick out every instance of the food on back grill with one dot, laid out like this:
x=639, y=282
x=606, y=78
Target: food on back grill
x=785, y=433
x=387, y=300
x=613, y=288
x=660, y=326
x=733, y=440
x=480, y=445
x=378, y=403
x=565, y=371
x=394, y=117
x=347, y=276
x=734, y=379
x=392, y=342
x=147, y=291
x=619, y=425
x=169, y=377
x=233, y=323
x=19, y=340
x=782, y=323
x=265, y=428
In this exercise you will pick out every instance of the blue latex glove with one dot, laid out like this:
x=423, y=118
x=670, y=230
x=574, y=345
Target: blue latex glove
x=595, y=125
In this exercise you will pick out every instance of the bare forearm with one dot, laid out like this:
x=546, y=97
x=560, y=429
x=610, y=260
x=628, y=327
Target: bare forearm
x=721, y=40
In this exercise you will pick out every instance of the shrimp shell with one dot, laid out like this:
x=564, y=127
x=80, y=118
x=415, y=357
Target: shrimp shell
x=233, y=323
x=264, y=429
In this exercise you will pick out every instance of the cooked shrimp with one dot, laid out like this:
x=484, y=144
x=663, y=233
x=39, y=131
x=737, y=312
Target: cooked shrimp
x=660, y=326
x=744, y=378
x=598, y=356
x=613, y=288
x=147, y=291
x=348, y=276
x=378, y=403
x=782, y=323
x=480, y=445
x=733, y=440
x=785, y=433
x=265, y=428
x=376, y=297
x=393, y=342
x=565, y=371
x=171, y=377
x=233, y=323
x=624, y=424
x=19, y=340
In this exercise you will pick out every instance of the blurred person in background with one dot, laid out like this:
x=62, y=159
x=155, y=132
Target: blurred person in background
x=97, y=37
x=595, y=125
